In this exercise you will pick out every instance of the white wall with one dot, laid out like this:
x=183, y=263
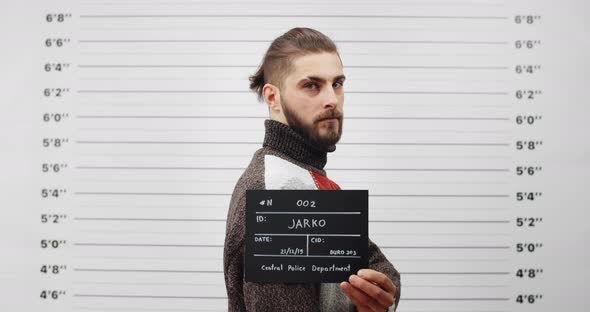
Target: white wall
x=431, y=85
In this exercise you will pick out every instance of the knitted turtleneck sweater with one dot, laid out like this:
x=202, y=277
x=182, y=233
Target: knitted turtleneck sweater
x=286, y=161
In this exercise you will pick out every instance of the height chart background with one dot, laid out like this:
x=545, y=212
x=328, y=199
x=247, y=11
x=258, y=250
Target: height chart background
x=127, y=123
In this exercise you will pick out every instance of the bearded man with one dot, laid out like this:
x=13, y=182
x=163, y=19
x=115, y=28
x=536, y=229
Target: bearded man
x=301, y=80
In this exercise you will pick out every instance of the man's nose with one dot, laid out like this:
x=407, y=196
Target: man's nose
x=330, y=97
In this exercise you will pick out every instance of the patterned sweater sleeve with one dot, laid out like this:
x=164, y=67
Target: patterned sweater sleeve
x=378, y=262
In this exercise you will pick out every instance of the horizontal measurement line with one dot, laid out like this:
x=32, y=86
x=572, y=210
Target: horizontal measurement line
x=147, y=219
x=154, y=271
x=441, y=208
x=439, y=195
x=148, y=296
x=220, y=258
x=455, y=299
x=223, y=220
x=162, y=91
x=336, y=169
x=228, y=194
x=145, y=245
x=137, y=193
x=255, y=66
x=266, y=117
x=339, y=213
x=243, y=130
x=398, y=234
x=268, y=41
x=177, y=284
x=472, y=234
x=169, y=117
x=156, y=168
x=163, y=142
x=289, y=3
x=349, y=92
x=440, y=221
x=260, y=143
x=291, y=15
x=444, y=247
x=217, y=272
x=112, y=233
x=434, y=259
x=421, y=169
x=458, y=273
x=214, y=297
x=164, y=66
x=456, y=286
x=220, y=246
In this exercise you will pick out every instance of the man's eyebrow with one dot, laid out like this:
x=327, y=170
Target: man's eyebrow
x=322, y=80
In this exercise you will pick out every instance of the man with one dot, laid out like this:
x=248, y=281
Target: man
x=301, y=81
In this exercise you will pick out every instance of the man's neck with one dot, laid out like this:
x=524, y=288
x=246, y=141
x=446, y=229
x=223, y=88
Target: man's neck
x=284, y=139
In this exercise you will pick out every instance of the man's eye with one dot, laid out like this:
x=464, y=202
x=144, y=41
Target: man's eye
x=311, y=84
x=340, y=83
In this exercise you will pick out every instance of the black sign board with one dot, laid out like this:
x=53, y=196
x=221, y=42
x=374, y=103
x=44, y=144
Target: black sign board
x=302, y=236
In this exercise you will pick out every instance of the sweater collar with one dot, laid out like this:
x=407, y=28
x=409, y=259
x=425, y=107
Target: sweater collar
x=284, y=139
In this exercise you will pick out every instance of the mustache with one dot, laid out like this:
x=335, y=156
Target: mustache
x=328, y=115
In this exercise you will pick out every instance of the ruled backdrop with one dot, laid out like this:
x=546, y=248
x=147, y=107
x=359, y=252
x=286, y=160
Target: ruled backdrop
x=127, y=123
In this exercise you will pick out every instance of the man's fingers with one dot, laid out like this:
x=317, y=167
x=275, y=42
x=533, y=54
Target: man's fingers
x=358, y=298
x=378, y=278
x=384, y=298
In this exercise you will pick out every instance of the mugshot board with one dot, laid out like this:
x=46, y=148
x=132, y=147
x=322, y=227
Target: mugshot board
x=127, y=124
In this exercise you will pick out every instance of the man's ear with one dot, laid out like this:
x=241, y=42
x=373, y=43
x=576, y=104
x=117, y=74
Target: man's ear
x=272, y=97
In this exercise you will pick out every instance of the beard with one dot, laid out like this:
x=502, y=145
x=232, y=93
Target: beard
x=312, y=132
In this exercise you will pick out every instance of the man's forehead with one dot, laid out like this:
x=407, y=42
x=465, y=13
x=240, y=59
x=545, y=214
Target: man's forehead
x=318, y=67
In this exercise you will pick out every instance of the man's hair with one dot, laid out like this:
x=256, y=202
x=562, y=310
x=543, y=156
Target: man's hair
x=277, y=63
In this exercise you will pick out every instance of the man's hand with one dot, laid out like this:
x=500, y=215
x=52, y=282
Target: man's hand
x=370, y=291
